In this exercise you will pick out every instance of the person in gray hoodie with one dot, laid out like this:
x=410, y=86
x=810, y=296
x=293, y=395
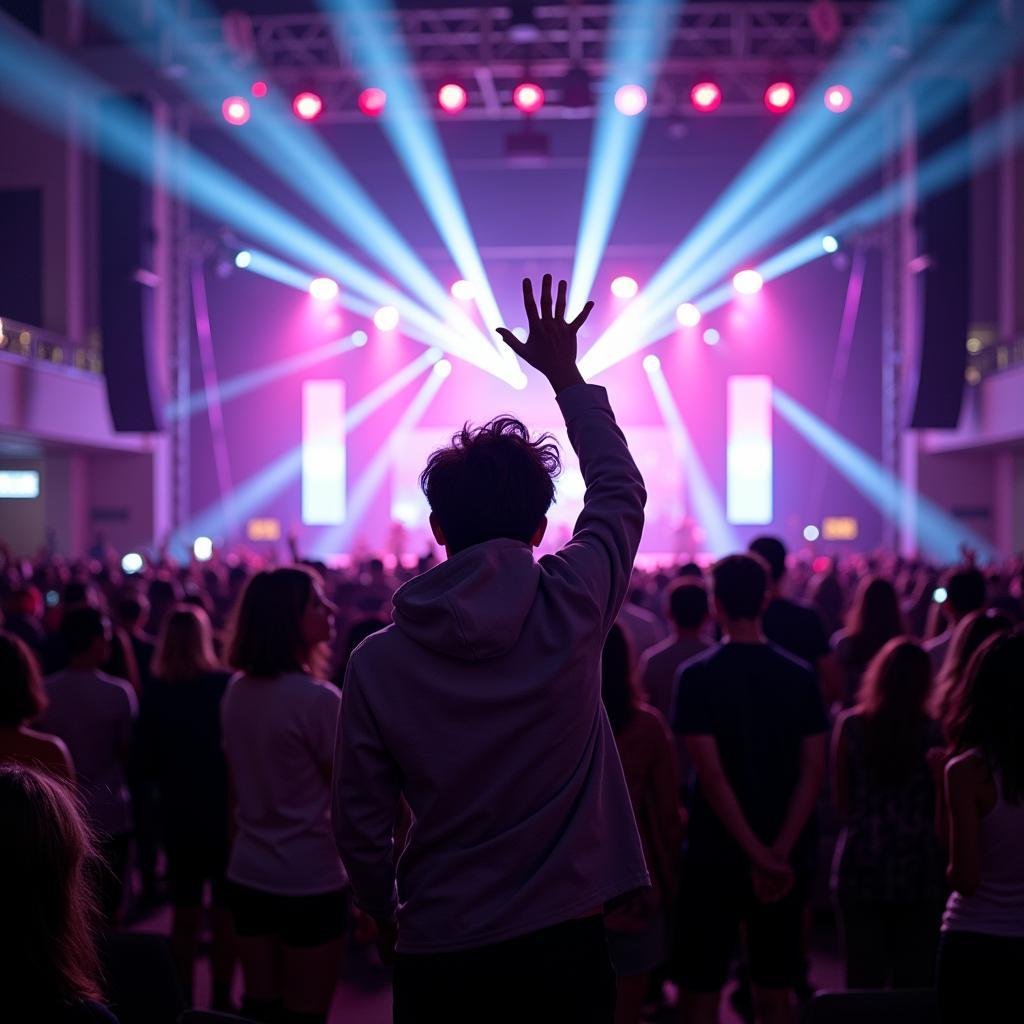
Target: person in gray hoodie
x=481, y=706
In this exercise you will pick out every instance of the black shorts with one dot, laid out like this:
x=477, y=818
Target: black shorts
x=298, y=921
x=712, y=905
x=189, y=867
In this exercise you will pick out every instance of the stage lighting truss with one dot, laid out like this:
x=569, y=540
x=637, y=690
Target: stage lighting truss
x=736, y=44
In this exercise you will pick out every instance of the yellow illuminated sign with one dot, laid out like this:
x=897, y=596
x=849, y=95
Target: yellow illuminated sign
x=839, y=528
x=263, y=529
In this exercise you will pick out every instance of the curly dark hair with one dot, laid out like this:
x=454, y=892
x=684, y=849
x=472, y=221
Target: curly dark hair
x=491, y=481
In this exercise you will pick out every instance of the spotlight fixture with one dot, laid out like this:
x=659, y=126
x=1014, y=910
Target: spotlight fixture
x=830, y=243
x=811, y=533
x=235, y=110
x=259, y=89
x=131, y=563
x=443, y=368
x=522, y=26
x=528, y=97
x=838, y=98
x=630, y=99
x=462, y=290
x=360, y=338
x=711, y=337
x=202, y=549
x=243, y=258
x=652, y=364
x=747, y=282
x=624, y=287
x=705, y=96
x=779, y=97
x=308, y=106
x=451, y=97
x=688, y=314
x=386, y=318
x=323, y=289
x=372, y=101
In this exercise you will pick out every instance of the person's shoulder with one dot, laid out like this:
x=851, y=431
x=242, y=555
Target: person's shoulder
x=967, y=767
x=87, y=1011
x=317, y=691
x=649, y=719
x=700, y=665
x=788, y=664
x=114, y=685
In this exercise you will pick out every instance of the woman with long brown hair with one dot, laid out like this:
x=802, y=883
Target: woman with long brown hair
x=288, y=890
x=22, y=701
x=874, y=619
x=981, y=952
x=887, y=871
x=178, y=747
x=49, y=968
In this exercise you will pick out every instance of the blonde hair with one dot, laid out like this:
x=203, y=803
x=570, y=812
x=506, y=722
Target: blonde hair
x=184, y=648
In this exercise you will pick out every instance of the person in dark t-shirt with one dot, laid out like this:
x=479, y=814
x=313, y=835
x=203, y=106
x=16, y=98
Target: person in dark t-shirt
x=755, y=729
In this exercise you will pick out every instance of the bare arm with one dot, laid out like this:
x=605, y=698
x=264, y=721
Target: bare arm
x=963, y=778
x=808, y=788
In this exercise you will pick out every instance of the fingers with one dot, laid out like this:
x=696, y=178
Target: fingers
x=545, y=297
x=582, y=318
x=560, y=301
x=508, y=337
x=529, y=302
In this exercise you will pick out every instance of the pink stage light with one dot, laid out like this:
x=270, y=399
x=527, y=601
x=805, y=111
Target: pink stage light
x=624, y=287
x=323, y=289
x=307, y=106
x=528, y=97
x=838, y=98
x=705, y=96
x=451, y=97
x=386, y=318
x=259, y=89
x=630, y=100
x=372, y=101
x=748, y=282
x=688, y=314
x=462, y=290
x=779, y=97
x=235, y=110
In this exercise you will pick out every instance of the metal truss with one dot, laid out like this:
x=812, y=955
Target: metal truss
x=742, y=46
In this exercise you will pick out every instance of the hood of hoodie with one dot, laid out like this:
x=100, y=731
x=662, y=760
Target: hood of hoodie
x=474, y=605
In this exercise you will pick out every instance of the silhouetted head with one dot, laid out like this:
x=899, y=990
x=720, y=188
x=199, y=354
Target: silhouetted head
x=22, y=698
x=687, y=602
x=773, y=551
x=740, y=586
x=491, y=482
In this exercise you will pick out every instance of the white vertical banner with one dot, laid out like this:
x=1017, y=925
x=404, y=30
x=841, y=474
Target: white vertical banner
x=323, y=452
x=749, y=454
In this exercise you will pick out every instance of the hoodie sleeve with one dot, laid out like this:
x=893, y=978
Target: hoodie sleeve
x=364, y=801
x=604, y=543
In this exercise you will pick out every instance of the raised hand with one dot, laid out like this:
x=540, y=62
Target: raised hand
x=551, y=345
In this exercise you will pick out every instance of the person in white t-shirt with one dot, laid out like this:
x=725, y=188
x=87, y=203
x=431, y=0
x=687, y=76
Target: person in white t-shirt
x=287, y=889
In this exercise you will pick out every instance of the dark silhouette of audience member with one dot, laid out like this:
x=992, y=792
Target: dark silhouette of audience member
x=22, y=616
x=888, y=874
x=22, y=701
x=131, y=611
x=826, y=596
x=481, y=704
x=287, y=888
x=965, y=593
x=875, y=618
x=755, y=728
x=94, y=713
x=796, y=627
x=639, y=929
x=686, y=605
x=981, y=950
x=970, y=633
x=178, y=747
x=357, y=633
x=49, y=968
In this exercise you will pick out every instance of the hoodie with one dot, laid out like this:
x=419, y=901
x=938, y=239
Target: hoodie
x=481, y=705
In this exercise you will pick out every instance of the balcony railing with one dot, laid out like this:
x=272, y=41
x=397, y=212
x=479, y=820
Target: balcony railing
x=28, y=342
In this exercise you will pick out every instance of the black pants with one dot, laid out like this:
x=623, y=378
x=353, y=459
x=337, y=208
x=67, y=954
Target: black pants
x=890, y=944
x=979, y=978
x=561, y=975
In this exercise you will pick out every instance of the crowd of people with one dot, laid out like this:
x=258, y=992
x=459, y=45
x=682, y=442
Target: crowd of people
x=612, y=775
